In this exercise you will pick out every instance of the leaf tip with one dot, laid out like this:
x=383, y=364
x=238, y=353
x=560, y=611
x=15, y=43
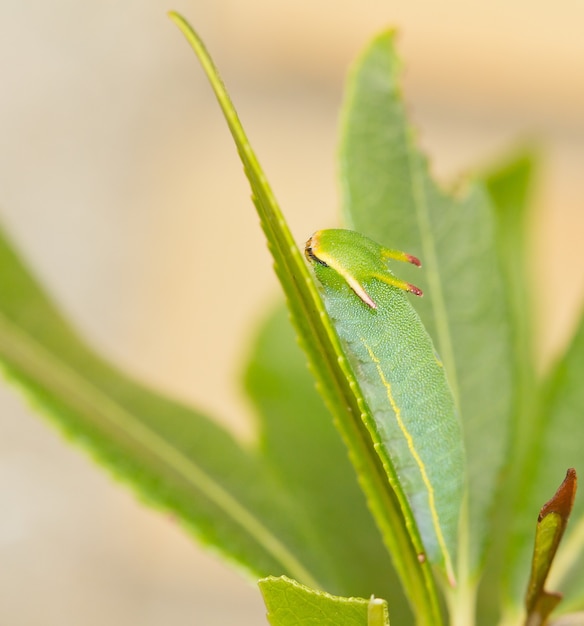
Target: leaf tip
x=563, y=499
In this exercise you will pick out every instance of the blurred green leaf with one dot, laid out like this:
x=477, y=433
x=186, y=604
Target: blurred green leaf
x=301, y=445
x=388, y=195
x=274, y=512
x=559, y=433
x=510, y=186
x=175, y=458
x=292, y=604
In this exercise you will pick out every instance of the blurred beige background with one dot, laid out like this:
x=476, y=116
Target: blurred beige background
x=119, y=182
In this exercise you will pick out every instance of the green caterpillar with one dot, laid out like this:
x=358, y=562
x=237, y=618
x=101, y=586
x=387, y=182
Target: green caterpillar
x=404, y=384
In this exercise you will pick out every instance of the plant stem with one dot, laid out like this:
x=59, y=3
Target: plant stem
x=462, y=603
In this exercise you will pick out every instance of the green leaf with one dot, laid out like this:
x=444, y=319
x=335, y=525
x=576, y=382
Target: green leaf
x=335, y=379
x=551, y=525
x=510, y=188
x=173, y=457
x=292, y=604
x=410, y=409
x=301, y=445
x=388, y=195
x=559, y=432
x=510, y=184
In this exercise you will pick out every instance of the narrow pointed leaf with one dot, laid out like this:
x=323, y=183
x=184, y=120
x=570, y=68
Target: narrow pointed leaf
x=336, y=381
x=389, y=196
x=292, y=604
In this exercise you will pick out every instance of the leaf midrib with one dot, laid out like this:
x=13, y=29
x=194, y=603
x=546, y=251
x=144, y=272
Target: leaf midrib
x=38, y=362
